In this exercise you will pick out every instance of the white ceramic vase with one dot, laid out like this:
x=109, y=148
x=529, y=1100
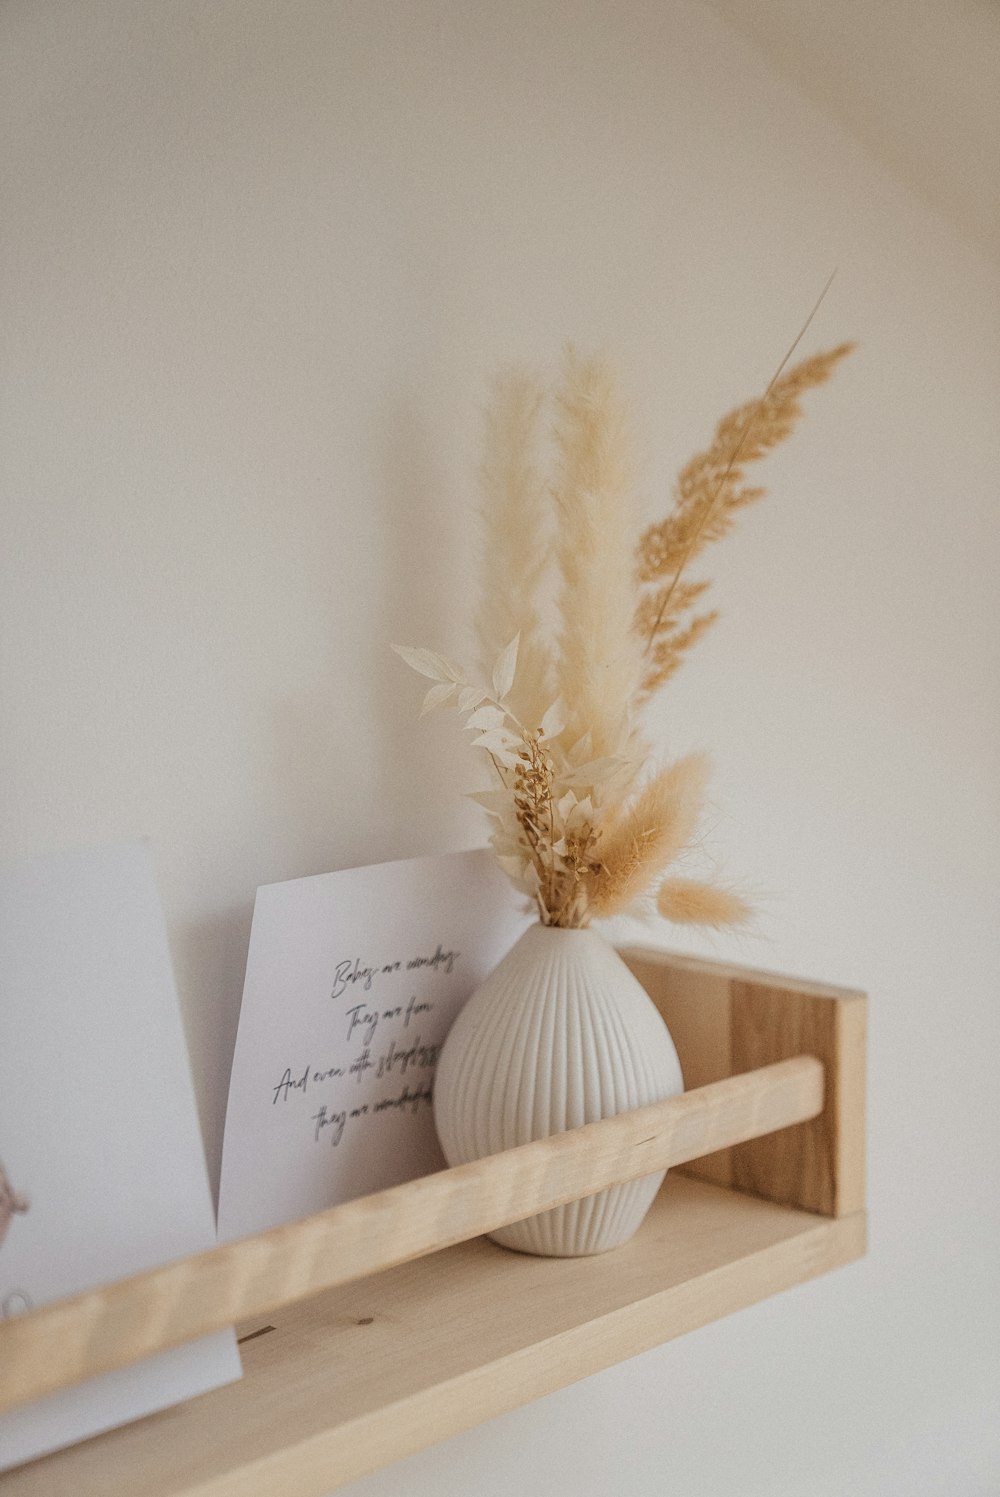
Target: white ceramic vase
x=560, y=1034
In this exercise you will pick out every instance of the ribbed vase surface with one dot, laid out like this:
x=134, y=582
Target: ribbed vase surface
x=560, y=1034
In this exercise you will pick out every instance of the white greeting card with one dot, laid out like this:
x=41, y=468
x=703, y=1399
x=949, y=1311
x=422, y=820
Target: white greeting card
x=102, y=1172
x=353, y=980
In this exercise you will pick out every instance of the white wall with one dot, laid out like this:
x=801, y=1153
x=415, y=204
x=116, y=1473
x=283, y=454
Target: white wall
x=259, y=259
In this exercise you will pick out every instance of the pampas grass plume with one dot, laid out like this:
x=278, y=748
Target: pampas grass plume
x=600, y=655
x=517, y=541
x=687, y=902
x=651, y=833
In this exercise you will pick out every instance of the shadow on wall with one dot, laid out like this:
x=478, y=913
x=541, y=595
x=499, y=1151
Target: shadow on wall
x=417, y=761
x=351, y=776
x=348, y=765
x=209, y=957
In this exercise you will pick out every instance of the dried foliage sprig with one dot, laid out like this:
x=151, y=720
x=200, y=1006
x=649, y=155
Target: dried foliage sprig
x=580, y=819
x=543, y=822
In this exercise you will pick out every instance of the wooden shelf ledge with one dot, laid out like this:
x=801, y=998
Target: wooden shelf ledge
x=116, y=1324
x=378, y=1327
x=362, y=1375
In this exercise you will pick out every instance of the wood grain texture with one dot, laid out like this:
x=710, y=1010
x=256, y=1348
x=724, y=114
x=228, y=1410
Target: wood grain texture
x=727, y=1020
x=113, y=1326
x=817, y=1165
x=362, y=1375
x=683, y=966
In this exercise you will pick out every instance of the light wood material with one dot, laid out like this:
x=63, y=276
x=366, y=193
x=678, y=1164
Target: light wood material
x=818, y=1165
x=363, y=1375
x=377, y=1368
x=726, y=1020
x=696, y=1005
x=110, y=1327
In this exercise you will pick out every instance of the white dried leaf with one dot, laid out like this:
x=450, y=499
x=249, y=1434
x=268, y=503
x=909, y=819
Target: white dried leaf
x=554, y=720
x=486, y=717
x=515, y=869
x=501, y=745
x=507, y=843
x=503, y=671
x=582, y=813
x=429, y=663
x=470, y=697
x=566, y=805
x=496, y=740
x=593, y=772
x=437, y=696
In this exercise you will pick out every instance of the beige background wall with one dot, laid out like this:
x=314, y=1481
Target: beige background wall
x=259, y=259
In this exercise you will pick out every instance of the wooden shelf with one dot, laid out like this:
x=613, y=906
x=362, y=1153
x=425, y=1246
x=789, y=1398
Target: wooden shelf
x=347, y=1369
x=365, y=1374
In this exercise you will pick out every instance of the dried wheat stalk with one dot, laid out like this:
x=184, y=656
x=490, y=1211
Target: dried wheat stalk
x=710, y=492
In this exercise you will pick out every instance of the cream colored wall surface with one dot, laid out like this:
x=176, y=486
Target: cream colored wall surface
x=917, y=81
x=259, y=260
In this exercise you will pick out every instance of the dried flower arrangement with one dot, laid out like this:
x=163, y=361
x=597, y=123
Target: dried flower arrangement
x=580, y=625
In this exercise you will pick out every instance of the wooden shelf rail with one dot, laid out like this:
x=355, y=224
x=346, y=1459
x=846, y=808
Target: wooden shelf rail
x=109, y=1327
x=381, y=1326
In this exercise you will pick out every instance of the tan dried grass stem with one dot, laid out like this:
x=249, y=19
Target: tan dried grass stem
x=709, y=494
